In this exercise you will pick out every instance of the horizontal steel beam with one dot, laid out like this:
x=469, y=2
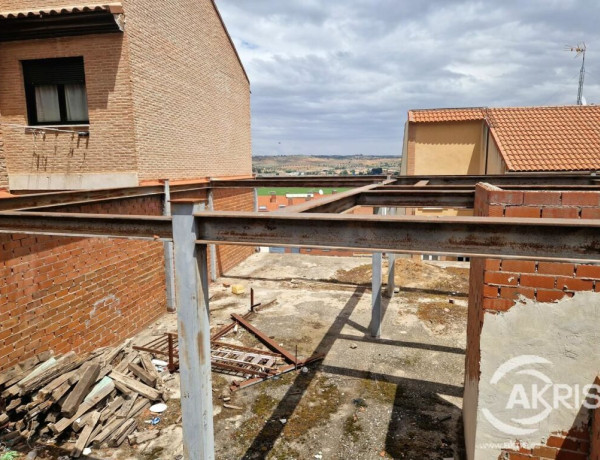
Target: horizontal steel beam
x=546, y=239
x=338, y=202
x=301, y=181
x=53, y=200
x=503, y=179
x=87, y=225
x=411, y=198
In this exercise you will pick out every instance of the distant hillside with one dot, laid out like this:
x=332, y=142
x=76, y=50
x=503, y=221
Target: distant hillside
x=325, y=164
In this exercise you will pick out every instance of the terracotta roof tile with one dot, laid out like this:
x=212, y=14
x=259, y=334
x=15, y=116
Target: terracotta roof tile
x=115, y=8
x=561, y=138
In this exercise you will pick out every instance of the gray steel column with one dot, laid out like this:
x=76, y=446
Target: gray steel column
x=168, y=250
x=391, y=265
x=376, y=310
x=194, y=336
x=255, y=199
x=212, y=248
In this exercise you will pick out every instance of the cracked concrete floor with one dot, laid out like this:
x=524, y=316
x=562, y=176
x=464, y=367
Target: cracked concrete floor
x=398, y=396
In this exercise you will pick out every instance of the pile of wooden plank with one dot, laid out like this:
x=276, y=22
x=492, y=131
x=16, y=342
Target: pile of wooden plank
x=94, y=400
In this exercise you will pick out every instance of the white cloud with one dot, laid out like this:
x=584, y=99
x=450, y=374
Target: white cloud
x=338, y=76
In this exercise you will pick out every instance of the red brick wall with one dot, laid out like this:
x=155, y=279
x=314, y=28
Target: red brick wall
x=78, y=294
x=232, y=200
x=496, y=285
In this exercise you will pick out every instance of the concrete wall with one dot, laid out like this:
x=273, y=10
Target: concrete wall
x=66, y=161
x=531, y=308
x=445, y=148
x=495, y=163
x=191, y=96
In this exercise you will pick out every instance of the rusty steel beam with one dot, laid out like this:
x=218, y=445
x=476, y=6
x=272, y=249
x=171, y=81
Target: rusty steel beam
x=545, y=239
x=87, y=225
x=555, y=178
x=301, y=181
x=418, y=198
x=338, y=202
x=53, y=200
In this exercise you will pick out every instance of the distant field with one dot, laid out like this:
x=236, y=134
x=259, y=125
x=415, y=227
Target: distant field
x=284, y=190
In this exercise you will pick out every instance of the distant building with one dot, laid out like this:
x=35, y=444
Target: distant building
x=498, y=140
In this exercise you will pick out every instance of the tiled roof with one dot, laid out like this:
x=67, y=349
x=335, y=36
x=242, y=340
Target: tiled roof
x=560, y=138
x=433, y=115
x=115, y=8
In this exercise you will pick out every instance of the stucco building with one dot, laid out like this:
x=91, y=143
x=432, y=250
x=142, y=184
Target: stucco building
x=138, y=91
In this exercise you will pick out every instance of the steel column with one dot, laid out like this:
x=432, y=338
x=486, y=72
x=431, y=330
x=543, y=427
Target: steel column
x=376, y=310
x=194, y=336
x=168, y=250
x=211, y=247
x=391, y=284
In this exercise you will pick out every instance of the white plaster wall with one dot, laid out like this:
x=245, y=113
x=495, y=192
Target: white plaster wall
x=565, y=333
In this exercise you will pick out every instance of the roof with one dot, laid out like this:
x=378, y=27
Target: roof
x=559, y=138
x=114, y=8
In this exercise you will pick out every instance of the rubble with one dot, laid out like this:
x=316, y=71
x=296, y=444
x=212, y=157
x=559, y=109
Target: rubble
x=90, y=400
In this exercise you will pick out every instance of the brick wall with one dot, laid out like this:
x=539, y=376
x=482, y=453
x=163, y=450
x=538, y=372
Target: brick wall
x=191, y=96
x=110, y=147
x=78, y=294
x=232, y=200
x=3, y=173
x=497, y=284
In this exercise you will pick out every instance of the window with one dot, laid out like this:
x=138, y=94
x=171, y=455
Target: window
x=55, y=91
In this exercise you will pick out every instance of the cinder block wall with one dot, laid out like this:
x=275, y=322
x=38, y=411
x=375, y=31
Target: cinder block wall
x=78, y=294
x=497, y=286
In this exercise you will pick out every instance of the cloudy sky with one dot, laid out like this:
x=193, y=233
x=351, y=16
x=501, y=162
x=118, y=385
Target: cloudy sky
x=338, y=76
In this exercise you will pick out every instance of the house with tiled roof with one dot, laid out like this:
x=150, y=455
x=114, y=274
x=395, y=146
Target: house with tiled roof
x=482, y=140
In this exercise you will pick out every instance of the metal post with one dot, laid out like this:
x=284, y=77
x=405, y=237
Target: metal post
x=211, y=247
x=255, y=199
x=391, y=265
x=194, y=335
x=168, y=250
x=376, y=310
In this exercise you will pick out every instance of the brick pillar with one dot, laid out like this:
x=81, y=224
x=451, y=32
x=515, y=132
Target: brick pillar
x=530, y=308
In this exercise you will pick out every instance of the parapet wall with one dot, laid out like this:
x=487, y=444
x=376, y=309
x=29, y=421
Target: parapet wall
x=530, y=309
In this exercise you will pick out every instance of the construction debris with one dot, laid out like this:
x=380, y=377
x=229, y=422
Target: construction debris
x=92, y=400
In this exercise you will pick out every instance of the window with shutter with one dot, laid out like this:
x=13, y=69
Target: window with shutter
x=55, y=91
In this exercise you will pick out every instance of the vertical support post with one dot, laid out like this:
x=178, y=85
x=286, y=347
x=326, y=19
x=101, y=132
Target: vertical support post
x=255, y=199
x=376, y=308
x=391, y=265
x=168, y=250
x=194, y=335
x=212, y=247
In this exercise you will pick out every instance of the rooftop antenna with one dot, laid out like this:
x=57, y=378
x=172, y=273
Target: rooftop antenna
x=579, y=51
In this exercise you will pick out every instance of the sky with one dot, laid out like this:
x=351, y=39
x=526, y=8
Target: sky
x=337, y=77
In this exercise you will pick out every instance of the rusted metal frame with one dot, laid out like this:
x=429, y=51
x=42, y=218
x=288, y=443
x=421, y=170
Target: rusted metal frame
x=556, y=178
x=302, y=181
x=332, y=203
x=87, y=225
x=266, y=340
x=417, y=198
x=544, y=239
x=52, y=200
x=246, y=349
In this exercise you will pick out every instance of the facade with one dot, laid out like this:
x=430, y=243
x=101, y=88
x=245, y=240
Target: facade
x=500, y=140
x=138, y=92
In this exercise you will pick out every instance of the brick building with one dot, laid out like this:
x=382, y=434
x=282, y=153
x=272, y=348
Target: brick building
x=149, y=92
x=111, y=96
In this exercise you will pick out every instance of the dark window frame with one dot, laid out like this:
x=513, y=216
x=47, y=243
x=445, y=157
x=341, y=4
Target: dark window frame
x=30, y=84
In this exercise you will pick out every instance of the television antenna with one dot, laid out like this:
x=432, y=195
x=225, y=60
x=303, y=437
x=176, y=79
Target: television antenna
x=579, y=50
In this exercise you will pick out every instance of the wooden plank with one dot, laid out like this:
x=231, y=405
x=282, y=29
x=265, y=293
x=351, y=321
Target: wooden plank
x=126, y=406
x=143, y=436
x=128, y=358
x=138, y=387
x=111, y=408
x=98, y=393
x=65, y=364
x=148, y=366
x=20, y=370
x=54, y=384
x=113, y=440
x=83, y=439
x=144, y=376
x=81, y=390
x=62, y=390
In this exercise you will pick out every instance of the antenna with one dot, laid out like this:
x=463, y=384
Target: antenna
x=579, y=51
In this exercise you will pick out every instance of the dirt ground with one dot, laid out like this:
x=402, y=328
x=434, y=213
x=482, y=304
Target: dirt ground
x=399, y=396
